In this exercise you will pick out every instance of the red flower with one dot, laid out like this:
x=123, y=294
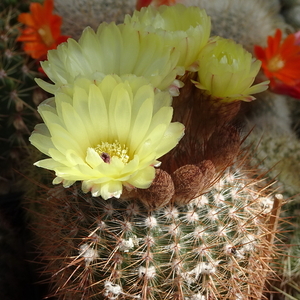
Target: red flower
x=281, y=63
x=143, y=3
x=42, y=32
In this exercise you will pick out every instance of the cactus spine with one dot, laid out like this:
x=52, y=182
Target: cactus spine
x=215, y=247
x=19, y=97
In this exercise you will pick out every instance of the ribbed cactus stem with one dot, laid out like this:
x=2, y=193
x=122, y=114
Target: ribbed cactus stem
x=18, y=92
x=215, y=247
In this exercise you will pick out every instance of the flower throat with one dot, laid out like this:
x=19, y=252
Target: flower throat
x=108, y=150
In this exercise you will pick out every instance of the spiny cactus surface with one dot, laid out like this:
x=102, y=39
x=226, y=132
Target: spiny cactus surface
x=200, y=225
x=91, y=13
x=19, y=96
x=216, y=247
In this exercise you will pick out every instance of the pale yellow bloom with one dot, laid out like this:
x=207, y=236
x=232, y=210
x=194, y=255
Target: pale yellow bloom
x=185, y=28
x=227, y=71
x=106, y=133
x=113, y=49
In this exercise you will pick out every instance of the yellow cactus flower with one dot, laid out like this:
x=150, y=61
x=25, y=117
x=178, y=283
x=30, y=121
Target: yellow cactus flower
x=113, y=49
x=227, y=71
x=108, y=134
x=185, y=28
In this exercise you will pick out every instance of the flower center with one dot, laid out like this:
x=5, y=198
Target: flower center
x=46, y=35
x=108, y=150
x=275, y=63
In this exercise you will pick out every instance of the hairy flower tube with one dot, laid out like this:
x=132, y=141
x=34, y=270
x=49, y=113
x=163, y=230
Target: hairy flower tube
x=281, y=63
x=107, y=134
x=227, y=71
x=184, y=28
x=42, y=31
x=113, y=49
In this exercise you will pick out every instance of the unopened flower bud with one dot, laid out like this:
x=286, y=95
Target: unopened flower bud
x=187, y=181
x=159, y=193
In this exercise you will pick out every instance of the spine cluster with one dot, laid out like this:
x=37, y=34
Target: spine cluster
x=19, y=97
x=218, y=246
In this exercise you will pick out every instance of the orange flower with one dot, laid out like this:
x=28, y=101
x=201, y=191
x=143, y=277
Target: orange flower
x=281, y=63
x=143, y=3
x=42, y=32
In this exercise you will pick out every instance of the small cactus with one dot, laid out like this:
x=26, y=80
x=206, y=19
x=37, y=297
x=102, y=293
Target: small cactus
x=19, y=97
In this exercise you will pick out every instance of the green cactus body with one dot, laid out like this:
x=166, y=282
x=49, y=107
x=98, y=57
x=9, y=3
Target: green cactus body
x=19, y=97
x=215, y=247
x=277, y=154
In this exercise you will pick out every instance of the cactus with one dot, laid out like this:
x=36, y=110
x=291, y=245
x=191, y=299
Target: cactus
x=246, y=22
x=215, y=247
x=276, y=122
x=19, y=98
x=91, y=13
x=205, y=228
x=273, y=119
x=290, y=11
x=277, y=154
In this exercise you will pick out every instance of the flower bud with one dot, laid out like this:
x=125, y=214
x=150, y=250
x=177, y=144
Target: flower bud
x=227, y=71
x=159, y=193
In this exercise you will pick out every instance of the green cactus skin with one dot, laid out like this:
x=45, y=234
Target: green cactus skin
x=216, y=247
x=19, y=96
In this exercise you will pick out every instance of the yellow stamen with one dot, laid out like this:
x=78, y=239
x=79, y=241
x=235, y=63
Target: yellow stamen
x=275, y=63
x=46, y=35
x=107, y=150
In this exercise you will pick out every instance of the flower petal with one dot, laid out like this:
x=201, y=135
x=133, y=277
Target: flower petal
x=106, y=134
